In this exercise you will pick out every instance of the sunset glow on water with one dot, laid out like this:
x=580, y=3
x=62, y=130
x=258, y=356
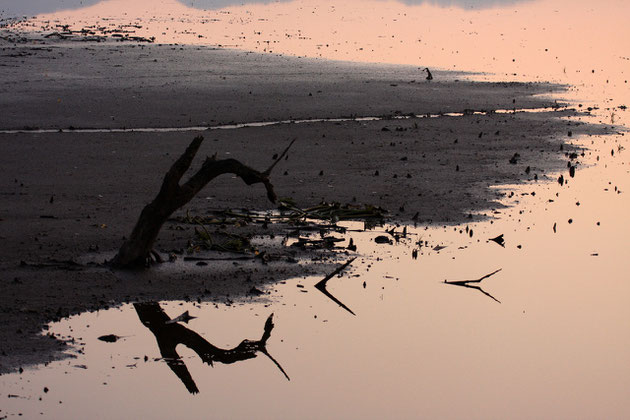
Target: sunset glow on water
x=550, y=342
x=570, y=42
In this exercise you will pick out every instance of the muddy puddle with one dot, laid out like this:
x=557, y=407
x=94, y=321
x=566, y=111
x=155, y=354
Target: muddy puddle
x=545, y=332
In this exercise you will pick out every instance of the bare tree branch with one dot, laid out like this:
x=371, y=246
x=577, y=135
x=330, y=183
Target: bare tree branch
x=137, y=250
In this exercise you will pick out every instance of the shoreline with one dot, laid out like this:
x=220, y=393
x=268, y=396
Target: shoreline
x=65, y=193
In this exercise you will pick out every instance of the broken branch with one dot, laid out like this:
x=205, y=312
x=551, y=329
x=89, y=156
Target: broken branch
x=321, y=285
x=269, y=169
x=466, y=283
x=463, y=282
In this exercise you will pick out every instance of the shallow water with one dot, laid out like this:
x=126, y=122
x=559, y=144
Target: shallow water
x=555, y=346
x=560, y=41
x=19, y=8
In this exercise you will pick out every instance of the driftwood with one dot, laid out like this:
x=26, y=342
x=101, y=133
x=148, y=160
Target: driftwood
x=321, y=285
x=138, y=249
x=466, y=283
x=169, y=333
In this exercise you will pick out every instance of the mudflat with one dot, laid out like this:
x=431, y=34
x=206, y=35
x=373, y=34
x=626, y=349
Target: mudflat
x=72, y=186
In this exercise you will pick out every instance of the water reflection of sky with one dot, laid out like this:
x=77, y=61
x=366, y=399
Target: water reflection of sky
x=13, y=8
x=480, y=4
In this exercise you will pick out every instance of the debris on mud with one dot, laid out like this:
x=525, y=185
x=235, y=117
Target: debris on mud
x=382, y=239
x=499, y=240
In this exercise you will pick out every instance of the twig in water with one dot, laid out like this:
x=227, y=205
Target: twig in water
x=321, y=285
x=466, y=283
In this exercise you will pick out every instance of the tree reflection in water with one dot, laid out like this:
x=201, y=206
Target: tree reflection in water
x=170, y=334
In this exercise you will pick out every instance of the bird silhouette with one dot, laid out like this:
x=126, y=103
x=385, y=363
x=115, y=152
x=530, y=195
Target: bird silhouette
x=429, y=75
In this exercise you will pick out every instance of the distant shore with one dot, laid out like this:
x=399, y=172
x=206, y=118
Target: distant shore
x=68, y=193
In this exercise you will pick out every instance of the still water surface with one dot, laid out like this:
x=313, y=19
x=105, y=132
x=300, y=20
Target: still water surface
x=19, y=8
x=555, y=347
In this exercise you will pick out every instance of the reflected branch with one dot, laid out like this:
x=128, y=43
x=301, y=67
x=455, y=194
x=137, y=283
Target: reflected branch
x=466, y=283
x=169, y=333
x=321, y=285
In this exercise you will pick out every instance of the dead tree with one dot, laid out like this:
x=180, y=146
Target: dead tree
x=137, y=251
